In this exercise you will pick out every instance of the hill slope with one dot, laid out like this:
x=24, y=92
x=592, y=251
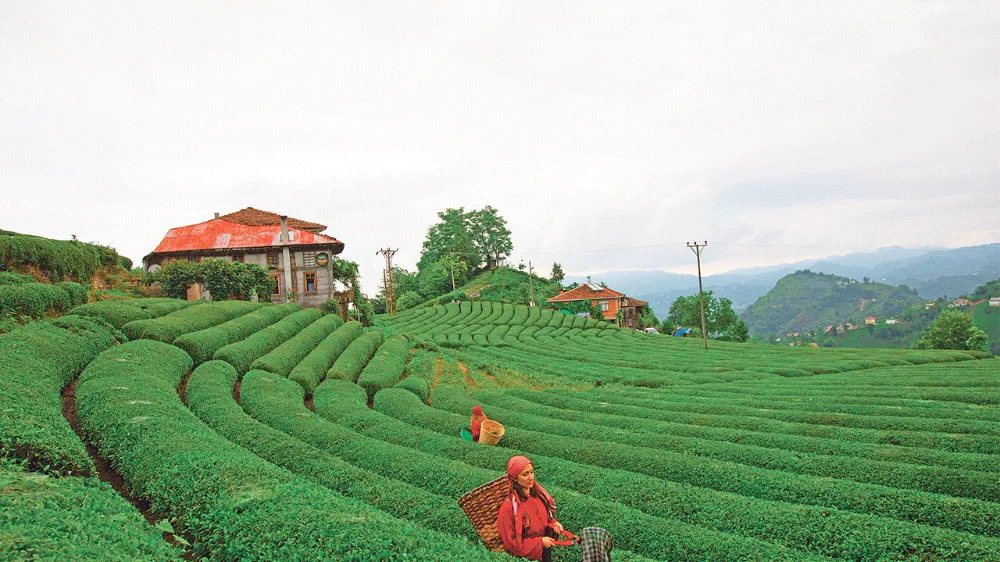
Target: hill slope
x=805, y=301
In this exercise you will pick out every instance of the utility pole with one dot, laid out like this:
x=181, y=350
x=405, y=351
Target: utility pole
x=697, y=249
x=531, y=285
x=390, y=296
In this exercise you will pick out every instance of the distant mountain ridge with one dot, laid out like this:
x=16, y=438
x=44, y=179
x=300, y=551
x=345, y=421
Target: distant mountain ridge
x=933, y=272
x=805, y=301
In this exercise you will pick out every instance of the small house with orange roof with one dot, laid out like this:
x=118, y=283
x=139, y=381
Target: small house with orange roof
x=609, y=300
x=293, y=251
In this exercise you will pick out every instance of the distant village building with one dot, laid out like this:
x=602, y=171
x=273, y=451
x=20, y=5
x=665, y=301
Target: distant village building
x=959, y=302
x=293, y=251
x=929, y=305
x=609, y=300
x=869, y=319
x=892, y=321
x=828, y=329
x=994, y=301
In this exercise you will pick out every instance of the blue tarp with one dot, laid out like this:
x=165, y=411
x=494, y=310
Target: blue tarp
x=680, y=332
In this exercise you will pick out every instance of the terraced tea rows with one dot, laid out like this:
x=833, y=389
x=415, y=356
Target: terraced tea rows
x=299, y=437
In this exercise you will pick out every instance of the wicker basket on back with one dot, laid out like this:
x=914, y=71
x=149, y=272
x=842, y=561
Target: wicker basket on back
x=490, y=432
x=482, y=505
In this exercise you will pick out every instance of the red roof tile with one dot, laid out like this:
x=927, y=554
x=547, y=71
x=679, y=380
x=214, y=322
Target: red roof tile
x=256, y=217
x=585, y=292
x=218, y=234
x=629, y=301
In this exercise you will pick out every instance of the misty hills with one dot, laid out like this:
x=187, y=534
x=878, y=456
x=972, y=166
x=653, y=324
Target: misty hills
x=933, y=272
x=806, y=301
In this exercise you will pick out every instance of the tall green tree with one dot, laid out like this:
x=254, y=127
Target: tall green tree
x=557, y=273
x=953, y=329
x=490, y=234
x=720, y=318
x=451, y=235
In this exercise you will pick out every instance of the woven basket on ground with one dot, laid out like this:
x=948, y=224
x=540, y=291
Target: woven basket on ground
x=482, y=505
x=490, y=432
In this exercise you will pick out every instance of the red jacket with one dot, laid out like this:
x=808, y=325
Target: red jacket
x=530, y=544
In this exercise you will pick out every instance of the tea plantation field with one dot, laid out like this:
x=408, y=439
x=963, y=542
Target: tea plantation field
x=164, y=430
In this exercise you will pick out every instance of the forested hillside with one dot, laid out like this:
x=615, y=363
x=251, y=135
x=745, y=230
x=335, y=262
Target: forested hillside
x=806, y=301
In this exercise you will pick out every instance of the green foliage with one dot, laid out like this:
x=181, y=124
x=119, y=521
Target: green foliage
x=386, y=366
x=234, y=505
x=121, y=312
x=330, y=306
x=418, y=386
x=408, y=300
x=171, y=326
x=953, y=330
x=353, y=359
x=223, y=279
x=77, y=292
x=312, y=370
x=11, y=278
x=242, y=354
x=490, y=234
x=557, y=273
x=59, y=259
x=986, y=290
x=804, y=301
x=282, y=359
x=33, y=300
x=720, y=319
x=45, y=518
x=36, y=362
x=203, y=344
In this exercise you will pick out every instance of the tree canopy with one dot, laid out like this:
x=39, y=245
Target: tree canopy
x=720, y=318
x=953, y=329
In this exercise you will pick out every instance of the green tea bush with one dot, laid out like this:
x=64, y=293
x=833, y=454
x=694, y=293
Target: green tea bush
x=121, y=312
x=243, y=353
x=36, y=362
x=312, y=370
x=817, y=528
x=350, y=363
x=210, y=397
x=33, y=300
x=203, y=344
x=234, y=505
x=77, y=292
x=46, y=518
x=386, y=366
x=11, y=278
x=418, y=386
x=59, y=259
x=286, y=356
x=168, y=328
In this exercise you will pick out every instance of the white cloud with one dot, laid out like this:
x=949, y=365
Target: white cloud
x=777, y=125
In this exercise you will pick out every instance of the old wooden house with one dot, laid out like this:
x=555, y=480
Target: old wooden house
x=294, y=251
x=608, y=300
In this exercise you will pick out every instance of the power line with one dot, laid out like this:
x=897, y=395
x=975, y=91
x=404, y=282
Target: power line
x=697, y=249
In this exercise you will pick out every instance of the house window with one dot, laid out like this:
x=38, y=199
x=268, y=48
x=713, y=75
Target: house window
x=238, y=258
x=277, y=284
x=308, y=259
x=604, y=306
x=310, y=281
x=272, y=259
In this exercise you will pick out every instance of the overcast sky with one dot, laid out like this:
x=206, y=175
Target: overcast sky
x=607, y=134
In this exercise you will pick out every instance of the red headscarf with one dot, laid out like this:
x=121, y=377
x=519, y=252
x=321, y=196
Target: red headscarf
x=514, y=467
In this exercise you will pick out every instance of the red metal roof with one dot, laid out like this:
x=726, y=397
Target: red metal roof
x=586, y=292
x=218, y=234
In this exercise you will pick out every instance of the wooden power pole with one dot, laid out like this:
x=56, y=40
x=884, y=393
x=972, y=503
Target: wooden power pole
x=697, y=249
x=390, y=294
x=531, y=285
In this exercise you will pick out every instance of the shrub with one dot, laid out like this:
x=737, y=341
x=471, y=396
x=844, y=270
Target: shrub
x=350, y=363
x=418, y=386
x=45, y=518
x=77, y=292
x=36, y=362
x=11, y=278
x=121, y=312
x=311, y=370
x=189, y=319
x=386, y=366
x=203, y=344
x=242, y=354
x=330, y=306
x=286, y=356
x=235, y=505
x=33, y=299
x=59, y=259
